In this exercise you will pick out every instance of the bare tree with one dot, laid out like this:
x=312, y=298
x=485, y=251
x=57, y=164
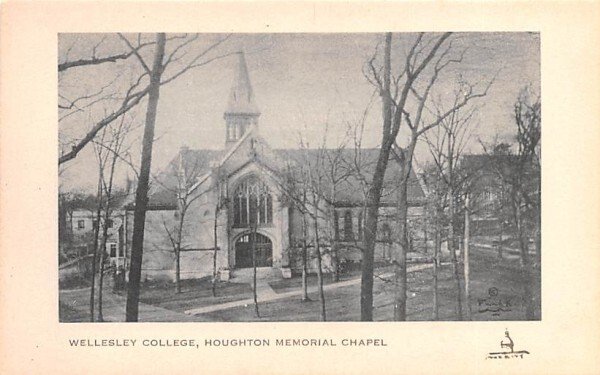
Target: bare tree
x=403, y=104
x=253, y=250
x=141, y=198
x=186, y=175
x=125, y=93
x=520, y=175
x=112, y=150
x=336, y=172
x=466, y=240
x=308, y=190
x=157, y=78
x=446, y=144
x=295, y=193
x=99, y=197
x=219, y=205
x=436, y=199
x=315, y=184
x=108, y=148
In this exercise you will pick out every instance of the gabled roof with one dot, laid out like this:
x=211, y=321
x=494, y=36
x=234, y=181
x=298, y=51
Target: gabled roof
x=349, y=191
x=163, y=194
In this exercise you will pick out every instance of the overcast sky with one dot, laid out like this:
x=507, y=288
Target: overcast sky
x=301, y=82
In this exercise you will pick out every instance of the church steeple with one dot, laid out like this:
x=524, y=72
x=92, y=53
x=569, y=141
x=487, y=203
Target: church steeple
x=242, y=111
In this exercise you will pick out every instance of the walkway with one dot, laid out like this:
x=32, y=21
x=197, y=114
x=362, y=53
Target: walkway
x=265, y=293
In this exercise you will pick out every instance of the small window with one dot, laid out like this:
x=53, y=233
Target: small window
x=360, y=226
x=348, y=234
x=80, y=224
x=336, y=228
x=386, y=233
x=113, y=250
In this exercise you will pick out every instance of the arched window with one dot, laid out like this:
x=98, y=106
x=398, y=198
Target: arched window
x=252, y=203
x=360, y=225
x=386, y=233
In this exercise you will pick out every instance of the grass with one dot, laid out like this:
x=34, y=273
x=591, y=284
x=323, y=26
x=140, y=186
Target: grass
x=194, y=293
x=343, y=303
x=71, y=315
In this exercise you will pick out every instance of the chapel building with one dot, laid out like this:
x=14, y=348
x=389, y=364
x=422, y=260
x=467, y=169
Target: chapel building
x=227, y=195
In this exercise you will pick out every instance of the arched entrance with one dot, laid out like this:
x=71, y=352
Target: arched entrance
x=263, y=250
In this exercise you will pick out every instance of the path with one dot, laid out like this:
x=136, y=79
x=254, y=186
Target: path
x=266, y=293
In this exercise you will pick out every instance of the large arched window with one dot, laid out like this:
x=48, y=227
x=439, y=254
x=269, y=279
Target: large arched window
x=252, y=203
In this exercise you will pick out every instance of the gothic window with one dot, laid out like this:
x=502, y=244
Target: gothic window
x=230, y=131
x=348, y=233
x=336, y=228
x=253, y=203
x=386, y=233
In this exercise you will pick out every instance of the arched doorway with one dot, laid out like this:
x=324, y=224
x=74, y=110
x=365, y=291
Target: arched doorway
x=263, y=250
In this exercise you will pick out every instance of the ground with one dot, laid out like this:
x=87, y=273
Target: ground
x=280, y=299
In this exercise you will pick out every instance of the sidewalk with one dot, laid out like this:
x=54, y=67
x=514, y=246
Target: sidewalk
x=266, y=294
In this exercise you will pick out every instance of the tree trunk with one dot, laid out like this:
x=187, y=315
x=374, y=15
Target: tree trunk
x=177, y=248
x=455, y=264
x=141, y=197
x=400, y=254
x=335, y=261
x=466, y=258
x=253, y=250
x=436, y=253
x=451, y=213
x=178, y=268
x=366, y=283
x=525, y=262
x=101, y=284
x=538, y=225
x=374, y=193
x=304, y=260
x=103, y=256
x=95, y=256
x=215, y=274
x=334, y=247
x=319, y=269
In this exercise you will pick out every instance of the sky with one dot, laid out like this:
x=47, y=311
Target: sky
x=303, y=84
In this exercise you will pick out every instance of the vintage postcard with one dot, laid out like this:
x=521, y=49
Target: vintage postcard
x=316, y=183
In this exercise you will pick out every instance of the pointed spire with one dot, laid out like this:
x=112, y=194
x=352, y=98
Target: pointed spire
x=241, y=97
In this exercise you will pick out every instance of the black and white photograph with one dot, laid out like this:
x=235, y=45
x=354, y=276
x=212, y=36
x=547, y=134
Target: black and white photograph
x=300, y=177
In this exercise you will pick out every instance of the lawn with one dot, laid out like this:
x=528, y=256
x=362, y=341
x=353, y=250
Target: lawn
x=194, y=294
x=343, y=303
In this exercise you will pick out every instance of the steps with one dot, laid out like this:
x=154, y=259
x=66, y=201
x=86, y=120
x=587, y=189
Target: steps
x=245, y=275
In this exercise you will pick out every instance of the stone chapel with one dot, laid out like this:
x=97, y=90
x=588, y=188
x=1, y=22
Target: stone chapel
x=229, y=195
